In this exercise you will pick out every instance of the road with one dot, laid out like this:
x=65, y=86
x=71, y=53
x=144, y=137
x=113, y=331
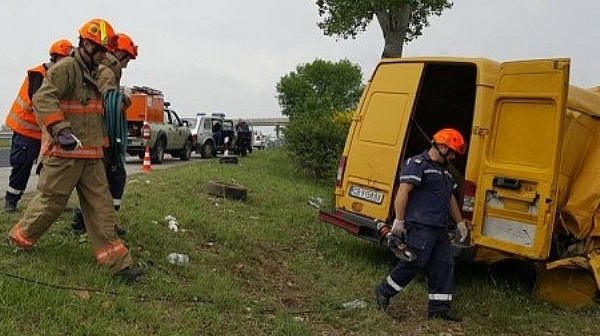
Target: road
x=133, y=166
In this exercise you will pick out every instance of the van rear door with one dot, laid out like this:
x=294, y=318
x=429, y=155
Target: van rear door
x=375, y=145
x=517, y=187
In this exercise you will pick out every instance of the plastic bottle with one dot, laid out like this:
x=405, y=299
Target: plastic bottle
x=178, y=259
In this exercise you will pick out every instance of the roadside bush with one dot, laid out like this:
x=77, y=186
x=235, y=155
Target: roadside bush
x=315, y=142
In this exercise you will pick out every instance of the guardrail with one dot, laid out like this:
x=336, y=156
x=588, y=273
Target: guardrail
x=5, y=135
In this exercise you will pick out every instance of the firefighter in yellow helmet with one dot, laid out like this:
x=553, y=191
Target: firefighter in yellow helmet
x=69, y=109
x=109, y=78
x=26, y=138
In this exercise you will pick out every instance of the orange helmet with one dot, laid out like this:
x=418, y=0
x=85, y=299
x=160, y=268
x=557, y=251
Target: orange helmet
x=98, y=31
x=451, y=138
x=61, y=47
x=125, y=43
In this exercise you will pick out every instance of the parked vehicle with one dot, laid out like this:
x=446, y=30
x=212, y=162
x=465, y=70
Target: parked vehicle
x=212, y=134
x=258, y=140
x=243, y=138
x=167, y=133
x=529, y=182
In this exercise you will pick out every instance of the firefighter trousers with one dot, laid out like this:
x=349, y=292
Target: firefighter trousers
x=432, y=248
x=58, y=177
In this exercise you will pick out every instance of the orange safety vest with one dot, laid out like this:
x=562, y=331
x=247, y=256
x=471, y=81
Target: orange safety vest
x=21, y=118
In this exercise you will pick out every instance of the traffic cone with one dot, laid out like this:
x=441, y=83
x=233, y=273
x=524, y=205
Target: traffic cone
x=147, y=167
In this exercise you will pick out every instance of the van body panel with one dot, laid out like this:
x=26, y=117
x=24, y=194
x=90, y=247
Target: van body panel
x=518, y=182
x=368, y=179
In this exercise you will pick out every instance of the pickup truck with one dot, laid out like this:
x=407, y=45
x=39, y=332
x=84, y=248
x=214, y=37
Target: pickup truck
x=167, y=132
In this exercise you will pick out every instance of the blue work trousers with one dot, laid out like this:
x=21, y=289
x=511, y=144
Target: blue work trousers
x=432, y=248
x=23, y=153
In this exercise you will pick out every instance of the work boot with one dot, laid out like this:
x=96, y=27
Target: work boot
x=445, y=316
x=120, y=231
x=10, y=206
x=130, y=273
x=78, y=225
x=14, y=245
x=382, y=301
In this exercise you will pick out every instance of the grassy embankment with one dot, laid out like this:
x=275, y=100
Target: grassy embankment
x=265, y=266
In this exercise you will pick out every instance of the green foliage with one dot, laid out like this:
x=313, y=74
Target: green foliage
x=312, y=96
x=315, y=144
x=346, y=19
x=320, y=87
x=400, y=20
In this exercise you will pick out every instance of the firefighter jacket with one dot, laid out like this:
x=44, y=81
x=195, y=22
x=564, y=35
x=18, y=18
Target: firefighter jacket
x=109, y=74
x=21, y=118
x=69, y=97
x=109, y=77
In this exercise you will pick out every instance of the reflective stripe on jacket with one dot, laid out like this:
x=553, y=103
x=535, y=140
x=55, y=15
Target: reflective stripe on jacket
x=69, y=97
x=21, y=118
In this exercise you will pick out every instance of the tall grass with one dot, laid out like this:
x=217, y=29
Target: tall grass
x=264, y=266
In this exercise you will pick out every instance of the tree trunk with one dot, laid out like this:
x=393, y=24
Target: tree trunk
x=394, y=25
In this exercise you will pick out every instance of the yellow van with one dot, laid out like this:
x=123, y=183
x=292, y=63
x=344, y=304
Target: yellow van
x=530, y=182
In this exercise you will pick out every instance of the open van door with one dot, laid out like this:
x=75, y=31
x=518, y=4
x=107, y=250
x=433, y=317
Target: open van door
x=516, y=196
x=375, y=145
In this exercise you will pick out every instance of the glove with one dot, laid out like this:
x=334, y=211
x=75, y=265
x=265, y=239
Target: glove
x=462, y=230
x=67, y=140
x=398, y=227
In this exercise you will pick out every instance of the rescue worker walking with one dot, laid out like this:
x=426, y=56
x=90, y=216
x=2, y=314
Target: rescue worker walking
x=423, y=204
x=27, y=135
x=69, y=109
x=109, y=79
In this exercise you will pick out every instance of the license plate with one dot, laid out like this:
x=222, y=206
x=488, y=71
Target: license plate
x=366, y=194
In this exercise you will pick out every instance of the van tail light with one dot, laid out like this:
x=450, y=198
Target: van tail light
x=468, y=203
x=339, y=177
x=195, y=138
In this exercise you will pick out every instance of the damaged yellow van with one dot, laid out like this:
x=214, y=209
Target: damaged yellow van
x=530, y=182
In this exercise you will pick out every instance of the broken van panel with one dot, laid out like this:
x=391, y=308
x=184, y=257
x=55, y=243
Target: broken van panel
x=530, y=182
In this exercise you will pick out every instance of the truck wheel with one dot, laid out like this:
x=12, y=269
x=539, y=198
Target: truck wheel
x=207, y=149
x=158, y=152
x=226, y=190
x=243, y=151
x=186, y=152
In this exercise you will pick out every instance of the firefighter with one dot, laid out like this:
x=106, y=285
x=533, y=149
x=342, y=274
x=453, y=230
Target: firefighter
x=69, y=109
x=27, y=135
x=109, y=78
x=423, y=205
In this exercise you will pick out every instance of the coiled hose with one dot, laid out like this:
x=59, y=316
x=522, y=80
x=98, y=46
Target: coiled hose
x=116, y=124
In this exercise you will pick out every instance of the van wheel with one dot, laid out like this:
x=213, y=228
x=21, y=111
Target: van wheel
x=226, y=190
x=158, y=152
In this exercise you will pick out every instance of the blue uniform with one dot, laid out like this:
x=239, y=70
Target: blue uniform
x=426, y=222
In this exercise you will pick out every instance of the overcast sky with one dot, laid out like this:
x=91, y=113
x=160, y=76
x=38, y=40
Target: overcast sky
x=228, y=55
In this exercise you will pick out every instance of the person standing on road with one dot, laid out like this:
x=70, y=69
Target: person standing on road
x=423, y=205
x=109, y=79
x=69, y=109
x=27, y=135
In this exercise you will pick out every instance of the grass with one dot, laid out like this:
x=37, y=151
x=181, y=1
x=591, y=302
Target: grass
x=265, y=266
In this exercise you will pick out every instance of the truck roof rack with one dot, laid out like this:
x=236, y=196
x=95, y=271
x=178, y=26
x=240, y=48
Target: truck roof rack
x=146, y=90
